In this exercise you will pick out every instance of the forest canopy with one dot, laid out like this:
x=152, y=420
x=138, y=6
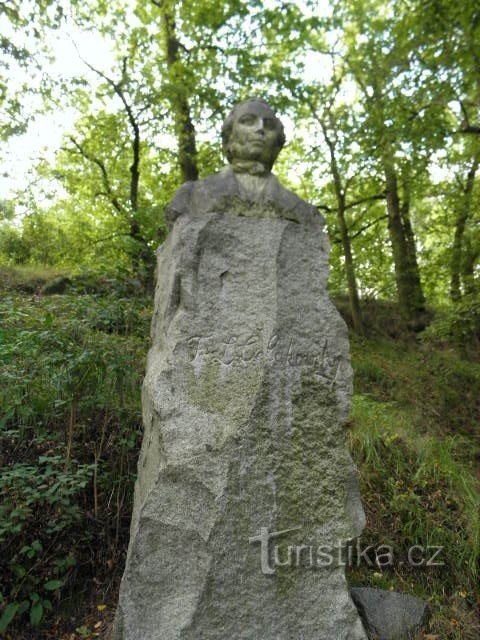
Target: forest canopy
x=381, y=101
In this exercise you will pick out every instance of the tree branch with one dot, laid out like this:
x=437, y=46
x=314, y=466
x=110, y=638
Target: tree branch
x=135, y=166
x=470, y=129
x=367, y=226
x=105, y=179
x=354, y=203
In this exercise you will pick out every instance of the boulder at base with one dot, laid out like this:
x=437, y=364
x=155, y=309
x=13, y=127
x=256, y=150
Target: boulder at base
x=389, y=615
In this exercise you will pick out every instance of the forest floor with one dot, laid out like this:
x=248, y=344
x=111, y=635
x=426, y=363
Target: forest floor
x=70, y=428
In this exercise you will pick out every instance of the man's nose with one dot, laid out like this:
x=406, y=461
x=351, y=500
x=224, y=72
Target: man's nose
x=260, y=127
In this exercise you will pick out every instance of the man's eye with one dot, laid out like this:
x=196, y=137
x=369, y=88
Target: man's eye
x=247, y=119
x=269, y=124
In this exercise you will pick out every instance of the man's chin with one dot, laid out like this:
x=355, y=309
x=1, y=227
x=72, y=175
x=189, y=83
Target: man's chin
x=256, y=156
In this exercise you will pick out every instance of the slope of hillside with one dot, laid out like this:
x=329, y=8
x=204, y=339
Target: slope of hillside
x=70, y=428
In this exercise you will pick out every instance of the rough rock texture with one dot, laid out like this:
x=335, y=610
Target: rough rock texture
x=389, y=615
x=227, y=192
x=248, y=383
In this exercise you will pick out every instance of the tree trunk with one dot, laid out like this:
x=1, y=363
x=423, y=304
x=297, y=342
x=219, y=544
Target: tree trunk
x=468, y=271
x=456, y=259
x=409, y=287
x=141, y=255
x=350, y=270
x=458, y=256
x=134, y=227
x=184, y=129
x=353, y=298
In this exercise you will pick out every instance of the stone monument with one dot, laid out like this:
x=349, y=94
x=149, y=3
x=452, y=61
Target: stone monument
x=246, y=494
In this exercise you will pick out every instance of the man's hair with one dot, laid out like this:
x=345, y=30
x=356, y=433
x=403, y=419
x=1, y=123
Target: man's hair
x=228, y=125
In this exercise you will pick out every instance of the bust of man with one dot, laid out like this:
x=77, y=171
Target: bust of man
x=252, y=138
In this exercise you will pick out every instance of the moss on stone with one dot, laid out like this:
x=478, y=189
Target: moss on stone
x=224, y=393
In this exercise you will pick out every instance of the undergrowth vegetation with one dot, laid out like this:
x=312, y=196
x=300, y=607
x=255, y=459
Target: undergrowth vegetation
x=70, y=428
x=71, y=370
x=415, y=439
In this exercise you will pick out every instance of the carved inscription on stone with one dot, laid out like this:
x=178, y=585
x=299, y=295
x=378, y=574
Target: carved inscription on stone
x=241, y=350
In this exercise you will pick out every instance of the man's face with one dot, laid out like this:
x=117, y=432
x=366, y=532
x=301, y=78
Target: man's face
x=255, y=134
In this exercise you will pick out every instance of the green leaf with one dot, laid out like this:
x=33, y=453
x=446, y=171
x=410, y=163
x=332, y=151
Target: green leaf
x=8, y=615
x=18, y=570
x=37, y=545
x=48, y=320
x=51, y=585
x=36, y=614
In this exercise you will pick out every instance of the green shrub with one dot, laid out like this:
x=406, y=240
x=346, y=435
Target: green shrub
x=458, y=325
x=70, y=376
x=419, y=489
x=38, y=507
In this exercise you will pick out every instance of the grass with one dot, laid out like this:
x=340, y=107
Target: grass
x=414, y=436
x=26, y=278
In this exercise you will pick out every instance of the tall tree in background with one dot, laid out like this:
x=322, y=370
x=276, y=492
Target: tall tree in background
x=399, y=126
x=464, y=251
x=445, y=40
x=322, y=104
x=135, y=112
x=329, y=123
x=163, y=91
x=178, y=91
x=201, y=73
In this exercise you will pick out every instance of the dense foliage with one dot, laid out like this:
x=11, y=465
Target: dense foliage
x=70, y=375
x=381, y=100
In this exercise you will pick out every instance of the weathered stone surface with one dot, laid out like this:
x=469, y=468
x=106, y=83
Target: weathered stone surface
x=389, y=615
x=248, y=384
x=228, y=192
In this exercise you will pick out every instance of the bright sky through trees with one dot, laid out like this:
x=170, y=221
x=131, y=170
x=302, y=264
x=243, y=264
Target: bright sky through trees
x=44, y=135
x=379, y=99
x=70, y=47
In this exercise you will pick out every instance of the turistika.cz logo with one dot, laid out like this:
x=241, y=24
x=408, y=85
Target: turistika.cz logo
x=351, y=553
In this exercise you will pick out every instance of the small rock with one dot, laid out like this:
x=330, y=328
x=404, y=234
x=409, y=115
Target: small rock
x=389, y=615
